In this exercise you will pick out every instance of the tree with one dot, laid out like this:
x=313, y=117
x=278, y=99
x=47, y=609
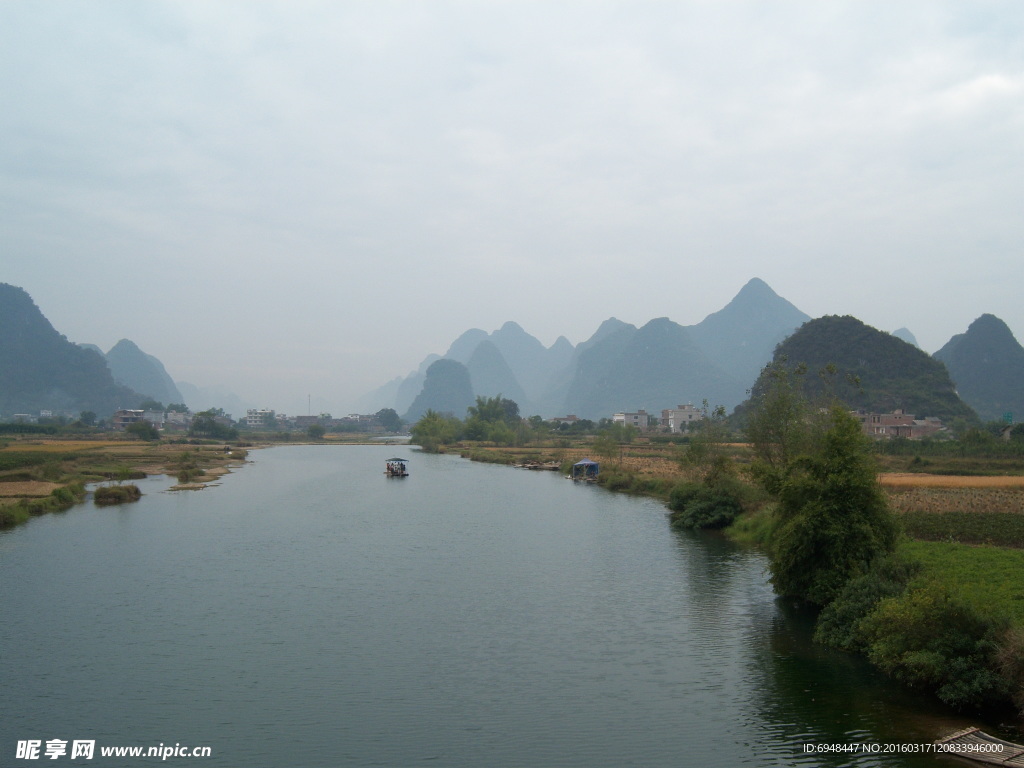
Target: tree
x=316, y=431
x=205, y=424
x=178, y=407
x=88, y=418
x=833, y=518
x=435, y=430
x=389, y=419
x=780, y=422
x=606, y=446
x=494, y=409
x=151, y=405
x=706, y=449
x=142, y=430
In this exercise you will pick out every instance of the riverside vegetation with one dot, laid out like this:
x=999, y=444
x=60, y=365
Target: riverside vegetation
x=922, y=573
x=40, y=473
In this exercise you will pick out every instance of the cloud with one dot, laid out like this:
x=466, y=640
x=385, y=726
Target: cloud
x=350, y=172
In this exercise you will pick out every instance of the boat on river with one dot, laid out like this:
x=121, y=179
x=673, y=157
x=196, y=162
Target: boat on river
x=396, y=468
x=975, y=744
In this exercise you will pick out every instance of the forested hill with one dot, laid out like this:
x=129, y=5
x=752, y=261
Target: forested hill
x=987, y=366
x=888, y=372
x=41, y=369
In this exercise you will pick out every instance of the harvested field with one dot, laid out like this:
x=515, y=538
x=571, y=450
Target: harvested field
x=65, y=446
x=28, y=489
x=965, y=499
x=647, y=466
x=913, y=480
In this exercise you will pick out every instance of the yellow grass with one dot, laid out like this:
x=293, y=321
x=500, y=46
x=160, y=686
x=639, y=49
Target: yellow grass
x=27, y=489
x=61, y=446
x=913, y=480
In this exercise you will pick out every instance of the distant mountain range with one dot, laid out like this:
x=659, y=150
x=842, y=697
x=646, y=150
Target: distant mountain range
x=659, y=365
x=620, y=367
x=41, y=370
x=663, y=364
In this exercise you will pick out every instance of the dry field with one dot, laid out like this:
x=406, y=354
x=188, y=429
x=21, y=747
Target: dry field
x=63, y=446
x=914, y=480
x=28, y=489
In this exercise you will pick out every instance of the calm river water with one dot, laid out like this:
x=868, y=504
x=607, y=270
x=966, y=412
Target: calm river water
x=310, y=612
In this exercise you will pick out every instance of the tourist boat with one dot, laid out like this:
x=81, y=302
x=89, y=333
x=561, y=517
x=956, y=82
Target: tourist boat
x=396, y=468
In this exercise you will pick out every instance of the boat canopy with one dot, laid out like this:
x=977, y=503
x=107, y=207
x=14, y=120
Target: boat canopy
x=585, y=468
x=401, y=460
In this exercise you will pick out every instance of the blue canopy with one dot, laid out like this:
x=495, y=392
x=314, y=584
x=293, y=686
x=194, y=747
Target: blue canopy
x=585, y=468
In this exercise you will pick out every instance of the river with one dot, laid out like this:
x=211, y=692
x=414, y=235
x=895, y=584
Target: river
x=307, y=611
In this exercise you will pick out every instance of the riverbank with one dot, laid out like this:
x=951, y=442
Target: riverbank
x=39, y=475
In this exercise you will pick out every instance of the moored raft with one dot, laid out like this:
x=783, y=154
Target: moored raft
x=975, y=744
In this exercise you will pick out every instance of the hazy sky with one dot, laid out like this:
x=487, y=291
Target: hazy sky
x=292, y=199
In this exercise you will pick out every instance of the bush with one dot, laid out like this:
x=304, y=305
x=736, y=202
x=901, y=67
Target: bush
x=116, y=494
x=1010, y=661
x=754, y=528
x=704, y=505
x=840, y=624
x=930, y=639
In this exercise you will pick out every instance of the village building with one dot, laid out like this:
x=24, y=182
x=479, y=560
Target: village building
x=640, y=419
x=680, y=418
x=898, y=423
x=126, y=416
x=259, y=417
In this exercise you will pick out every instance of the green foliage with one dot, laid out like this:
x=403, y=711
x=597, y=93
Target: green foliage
x=840, y=624
x=989, y=576
x=1000, y=529
x=715, y=502
x=494, y=409
x=833, y=519
x=205, y=424
x=606, y=446
x=315, y=432
x=434, y=431
x=754, y=528
x=698, y=505
x=929, y=638
x=59, y=499
x=780, y=422
x=389, y=419
x=116, y=494
x=142, y=430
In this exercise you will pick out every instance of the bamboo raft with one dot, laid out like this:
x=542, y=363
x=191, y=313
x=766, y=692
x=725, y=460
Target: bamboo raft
x=975, y=744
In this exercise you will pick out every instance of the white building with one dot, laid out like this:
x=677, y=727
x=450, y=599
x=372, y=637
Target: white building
x=259, y=417
x=680, y=418
x=641, y=419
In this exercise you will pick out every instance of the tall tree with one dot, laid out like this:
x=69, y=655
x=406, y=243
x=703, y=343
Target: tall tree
x=833, y=516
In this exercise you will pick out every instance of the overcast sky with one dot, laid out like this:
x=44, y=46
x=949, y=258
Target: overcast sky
x=292, y=199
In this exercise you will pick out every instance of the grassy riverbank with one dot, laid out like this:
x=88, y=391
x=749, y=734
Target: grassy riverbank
x=39, y=475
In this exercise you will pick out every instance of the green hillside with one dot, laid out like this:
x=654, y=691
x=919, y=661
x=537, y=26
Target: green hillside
x=887, y=372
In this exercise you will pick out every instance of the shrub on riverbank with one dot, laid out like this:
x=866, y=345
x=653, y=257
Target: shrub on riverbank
x=58, y=500
x=116, y=494
x=700, y=505
x=841, y=623
x=929, y=638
